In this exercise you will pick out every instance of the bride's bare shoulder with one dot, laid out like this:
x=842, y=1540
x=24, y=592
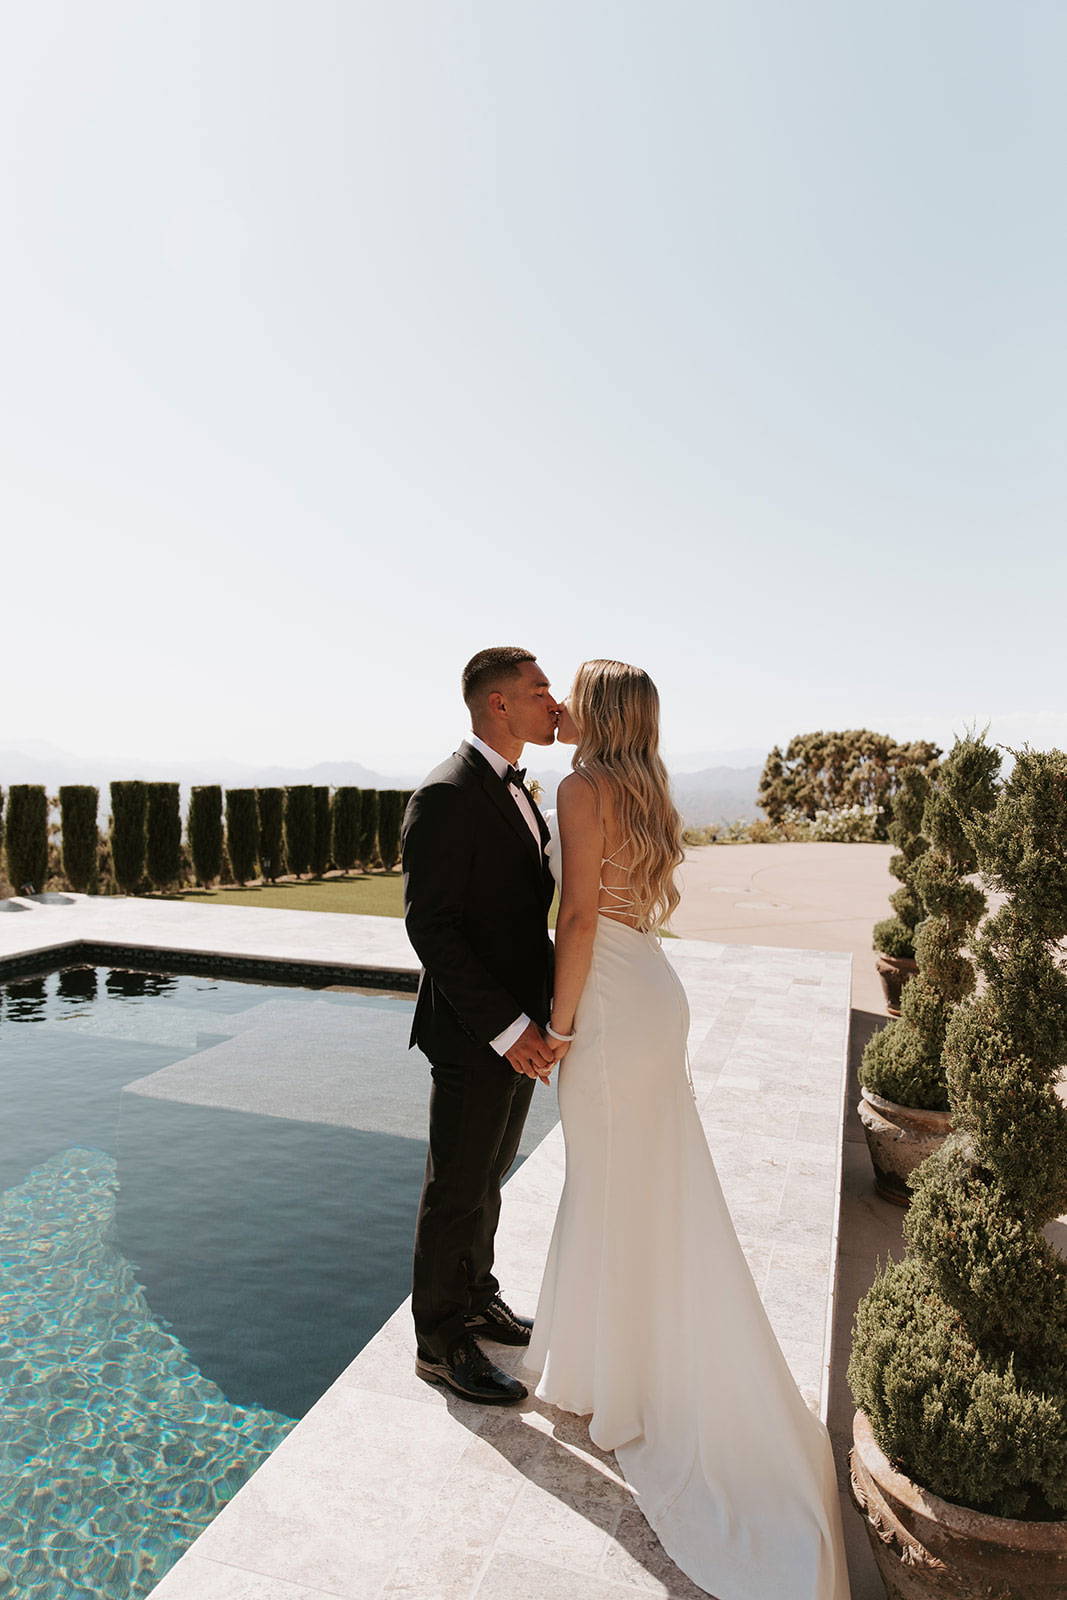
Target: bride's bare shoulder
x=579, y=804
x=577, y=793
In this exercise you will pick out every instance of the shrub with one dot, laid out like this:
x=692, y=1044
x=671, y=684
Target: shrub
x=345, y=825
x=26, y=841
x=163, y=841
x=242, y=833
x=129, y=813
x=390, y=816
x=847, y=825
x=833, y=772
x=271, y=803
x=368, y=828
x=700, y=836
x=299, y=826
x=903, y=1061
x=205, y=832
x=320, y=834
x=78, y=806
x=895, y=936
x=960, y=1350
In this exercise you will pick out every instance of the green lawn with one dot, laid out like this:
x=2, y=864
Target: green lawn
x=375, y=894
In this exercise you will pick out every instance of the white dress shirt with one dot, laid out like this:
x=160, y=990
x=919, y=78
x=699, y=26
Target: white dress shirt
x=504, y=1041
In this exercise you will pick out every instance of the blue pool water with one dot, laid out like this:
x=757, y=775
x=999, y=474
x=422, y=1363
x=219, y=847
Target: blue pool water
x=208, y=1192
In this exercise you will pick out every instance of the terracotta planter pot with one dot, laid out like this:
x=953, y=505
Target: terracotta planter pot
x=927, y=1548
x=894, y=972
x=899, y=1138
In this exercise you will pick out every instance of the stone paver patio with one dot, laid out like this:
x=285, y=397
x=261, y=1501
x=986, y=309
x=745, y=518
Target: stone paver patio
x=388, y=1487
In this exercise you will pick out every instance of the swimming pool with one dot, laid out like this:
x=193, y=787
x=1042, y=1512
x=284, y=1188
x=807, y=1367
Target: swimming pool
x=208, y=1191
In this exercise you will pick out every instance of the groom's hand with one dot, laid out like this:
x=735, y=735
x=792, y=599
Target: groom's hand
x=532, y=1053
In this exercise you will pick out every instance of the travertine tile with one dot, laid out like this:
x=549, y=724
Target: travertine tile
x=194, y=1578
x=564, y=1527
x=635, y=1557
x=511, y=1577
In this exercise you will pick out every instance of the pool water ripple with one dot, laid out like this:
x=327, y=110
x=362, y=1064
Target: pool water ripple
x=111, y=1440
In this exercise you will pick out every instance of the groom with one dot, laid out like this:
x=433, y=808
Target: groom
x=477, y=889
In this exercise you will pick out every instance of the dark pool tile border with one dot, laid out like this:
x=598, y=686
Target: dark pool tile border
x=144, y=958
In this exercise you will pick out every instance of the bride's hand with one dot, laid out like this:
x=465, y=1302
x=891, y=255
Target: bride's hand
x=559, y=1048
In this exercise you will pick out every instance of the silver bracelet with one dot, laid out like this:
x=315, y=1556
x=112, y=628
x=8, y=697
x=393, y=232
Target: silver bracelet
x=564, y=1038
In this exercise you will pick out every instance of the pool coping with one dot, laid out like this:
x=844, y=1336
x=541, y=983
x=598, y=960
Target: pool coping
x=138, y=957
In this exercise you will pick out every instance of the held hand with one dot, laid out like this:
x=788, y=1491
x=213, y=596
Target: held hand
x=531, y=1053
x=560, y=1047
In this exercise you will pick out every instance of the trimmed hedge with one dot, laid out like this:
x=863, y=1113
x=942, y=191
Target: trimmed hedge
x=78, y=807
x=368, y=828
x=271, y=833
x=204, y=829
x=390, y=816
x=895, y=936
x=128, y=829
x=242, y=833
x=299, y=826
x=163, y=850
x=344, y=818
x=320, y=838
x=26, y=839
x=959, y=1356
x=903, y=1062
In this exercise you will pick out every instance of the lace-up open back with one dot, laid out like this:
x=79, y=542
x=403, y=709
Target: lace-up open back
x=625, y=906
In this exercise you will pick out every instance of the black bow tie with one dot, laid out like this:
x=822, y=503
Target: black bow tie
x=515, y=775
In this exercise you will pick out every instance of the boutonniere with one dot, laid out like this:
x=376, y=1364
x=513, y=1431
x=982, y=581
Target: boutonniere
x=535, y=791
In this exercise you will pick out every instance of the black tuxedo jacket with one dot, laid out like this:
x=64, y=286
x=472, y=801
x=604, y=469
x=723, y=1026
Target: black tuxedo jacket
x=477, y=890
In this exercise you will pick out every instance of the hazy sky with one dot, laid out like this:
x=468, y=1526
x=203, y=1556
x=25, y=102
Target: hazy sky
x=342, y=339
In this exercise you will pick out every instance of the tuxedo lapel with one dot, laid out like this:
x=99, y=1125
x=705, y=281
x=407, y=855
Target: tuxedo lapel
x=497, y=791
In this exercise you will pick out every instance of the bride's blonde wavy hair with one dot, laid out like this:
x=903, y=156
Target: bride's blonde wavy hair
x=615, y=709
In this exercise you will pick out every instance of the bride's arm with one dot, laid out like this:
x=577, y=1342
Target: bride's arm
x=581, y=845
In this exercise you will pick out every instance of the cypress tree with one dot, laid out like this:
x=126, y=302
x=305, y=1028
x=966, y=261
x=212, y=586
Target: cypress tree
x=345, y=820
x=205, y=832
x=368, y=828
x=320, y=839
x=272, y=832
x=129, y=826
x=242, y=833
x=26, y=844
x=163, y=846
x=299, y=826
x=389, y=817
x=78, y=806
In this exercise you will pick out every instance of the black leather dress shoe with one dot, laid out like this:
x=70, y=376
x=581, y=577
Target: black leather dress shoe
x=468, y=1372
x=499, y=1322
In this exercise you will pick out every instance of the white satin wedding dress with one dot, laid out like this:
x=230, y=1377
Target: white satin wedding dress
x=648, y=1319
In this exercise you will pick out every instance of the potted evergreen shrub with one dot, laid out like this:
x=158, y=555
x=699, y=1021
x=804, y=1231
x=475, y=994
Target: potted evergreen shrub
x=904, y=1101
x=894, y=937
x=959, y=1358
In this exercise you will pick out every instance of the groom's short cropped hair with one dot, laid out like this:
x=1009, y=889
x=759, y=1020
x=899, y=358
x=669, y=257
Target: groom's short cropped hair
x=490, y=669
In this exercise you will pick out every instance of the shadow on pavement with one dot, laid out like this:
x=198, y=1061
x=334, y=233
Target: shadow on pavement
x=870, y=1230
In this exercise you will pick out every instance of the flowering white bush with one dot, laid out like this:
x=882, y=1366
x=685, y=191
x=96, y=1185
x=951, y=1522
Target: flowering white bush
x=850, y=825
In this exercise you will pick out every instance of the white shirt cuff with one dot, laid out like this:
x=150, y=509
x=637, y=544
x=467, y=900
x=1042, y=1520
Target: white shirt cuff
x=504, y=1041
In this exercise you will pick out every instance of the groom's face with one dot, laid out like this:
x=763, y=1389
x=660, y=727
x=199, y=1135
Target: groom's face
x=530, y=709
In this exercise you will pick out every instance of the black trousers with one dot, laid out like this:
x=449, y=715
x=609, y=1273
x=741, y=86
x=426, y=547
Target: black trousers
x=477, y=1115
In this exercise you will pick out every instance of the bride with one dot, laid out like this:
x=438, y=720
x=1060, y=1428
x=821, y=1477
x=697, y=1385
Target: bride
x=648, y=1319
